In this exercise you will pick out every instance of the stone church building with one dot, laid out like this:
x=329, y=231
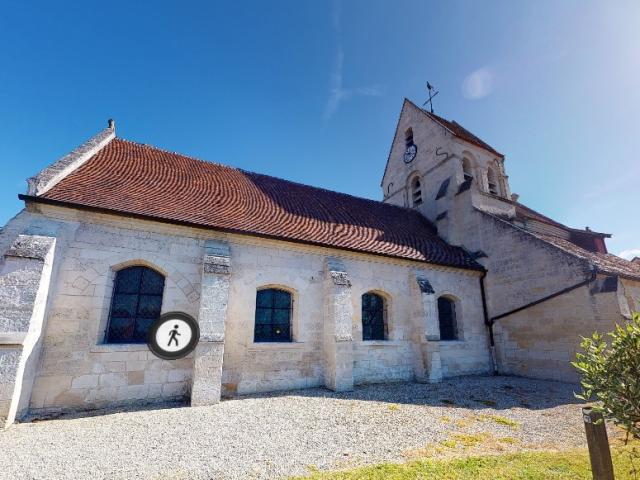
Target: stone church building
x=293, y=286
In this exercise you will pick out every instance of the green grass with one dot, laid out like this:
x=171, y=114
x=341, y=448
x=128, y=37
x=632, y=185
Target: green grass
x=567, y=465
x=469, y=439
x=500, y=420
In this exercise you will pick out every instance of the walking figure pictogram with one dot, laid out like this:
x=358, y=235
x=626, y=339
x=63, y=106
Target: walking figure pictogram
x=172, y=336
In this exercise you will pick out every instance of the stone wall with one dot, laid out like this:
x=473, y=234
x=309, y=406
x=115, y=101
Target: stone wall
x=522, y=268
x=542, y=340
x=78, y=371
x=25, y=275
x=629, y=291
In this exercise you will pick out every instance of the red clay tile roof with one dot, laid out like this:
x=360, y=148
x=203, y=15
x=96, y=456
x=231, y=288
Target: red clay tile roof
x=130, y=178
x=526, y=212
x=604, y=262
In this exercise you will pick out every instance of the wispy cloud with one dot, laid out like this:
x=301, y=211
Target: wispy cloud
x=629, y=254
x=478, y=84
x=337, y=91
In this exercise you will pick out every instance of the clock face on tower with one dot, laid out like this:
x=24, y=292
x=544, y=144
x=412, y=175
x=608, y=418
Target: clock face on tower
x=410, y=153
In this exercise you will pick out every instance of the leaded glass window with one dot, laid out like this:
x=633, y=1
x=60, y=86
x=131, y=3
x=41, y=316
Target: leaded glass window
x=136, y=303
x=273, y=316
x=373, y=317
x=447, y=317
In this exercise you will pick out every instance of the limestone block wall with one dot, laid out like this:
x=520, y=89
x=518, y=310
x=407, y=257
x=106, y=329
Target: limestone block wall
x=78, y=371
x=521, y=268
x=543, y=340
x=256, y=367
x=25, y=274
x=629, y=291
x=250, y=367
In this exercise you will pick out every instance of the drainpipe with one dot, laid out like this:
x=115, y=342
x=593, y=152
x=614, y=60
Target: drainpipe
x=489, y=324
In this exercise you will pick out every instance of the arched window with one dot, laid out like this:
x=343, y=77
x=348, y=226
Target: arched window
x=136, y=303
x=374, y=311
x=273, y=316
x=408, y=137
x=492, y=179
x=466, y=168
x=447, y=318
x=416, y=192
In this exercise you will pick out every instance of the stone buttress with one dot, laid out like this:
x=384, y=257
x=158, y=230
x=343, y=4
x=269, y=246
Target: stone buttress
x=214, y=298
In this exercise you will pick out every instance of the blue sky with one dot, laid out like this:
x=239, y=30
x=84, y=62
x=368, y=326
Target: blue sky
x=311, y=91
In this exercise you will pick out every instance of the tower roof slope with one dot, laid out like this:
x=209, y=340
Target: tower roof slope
x=139, y=180
x=603, y=262
x=462, y=133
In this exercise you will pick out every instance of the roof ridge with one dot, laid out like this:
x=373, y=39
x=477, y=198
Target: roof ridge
x=209, y=162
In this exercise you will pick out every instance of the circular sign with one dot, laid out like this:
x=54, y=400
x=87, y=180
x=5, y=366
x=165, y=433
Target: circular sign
x=173, y=335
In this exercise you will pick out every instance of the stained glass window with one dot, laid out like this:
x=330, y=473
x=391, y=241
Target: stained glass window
x=273, y=316
x=136, y=303
x=373, y=317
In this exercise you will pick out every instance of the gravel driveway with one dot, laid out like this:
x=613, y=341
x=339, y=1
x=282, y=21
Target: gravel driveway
x=271, y=436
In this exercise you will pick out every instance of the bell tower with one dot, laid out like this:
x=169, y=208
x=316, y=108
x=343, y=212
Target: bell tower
x=445, y=172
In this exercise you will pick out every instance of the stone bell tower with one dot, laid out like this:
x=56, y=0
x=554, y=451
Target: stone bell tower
x=446, y=173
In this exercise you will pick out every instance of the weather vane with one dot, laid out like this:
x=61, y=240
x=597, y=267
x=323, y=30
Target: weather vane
x=430, y=88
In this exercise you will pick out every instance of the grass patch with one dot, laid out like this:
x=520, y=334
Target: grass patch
x=500, y=420
x=567, y=465
x=394, y=407
x=508, y=440
x=463, y=422
x=485, y=402
x=449, y=443
x=469, y=439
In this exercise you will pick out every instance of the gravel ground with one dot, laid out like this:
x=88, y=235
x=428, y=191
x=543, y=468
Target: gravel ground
x=277, y=435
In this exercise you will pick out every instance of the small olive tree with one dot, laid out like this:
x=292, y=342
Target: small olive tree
x=611, y=374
